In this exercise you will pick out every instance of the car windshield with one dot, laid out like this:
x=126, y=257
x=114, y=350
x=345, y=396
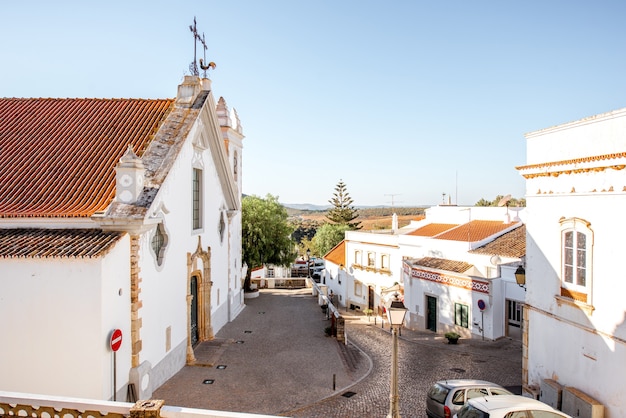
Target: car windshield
x=468, y=411
x=438, y=393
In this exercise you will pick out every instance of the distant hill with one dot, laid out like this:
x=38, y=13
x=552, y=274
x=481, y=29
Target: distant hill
x=306, y=206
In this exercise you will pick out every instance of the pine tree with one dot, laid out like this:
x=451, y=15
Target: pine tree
x=342, y=212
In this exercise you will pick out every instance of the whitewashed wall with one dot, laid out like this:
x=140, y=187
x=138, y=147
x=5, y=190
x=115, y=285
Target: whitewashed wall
x=164, y=288
x=576, y=346
x=36, y=316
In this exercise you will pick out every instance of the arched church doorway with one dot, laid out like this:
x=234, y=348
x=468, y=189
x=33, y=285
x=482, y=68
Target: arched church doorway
x=193, y=320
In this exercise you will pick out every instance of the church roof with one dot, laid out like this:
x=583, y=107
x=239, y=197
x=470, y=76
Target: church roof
x=43, y=243
x=58, y=156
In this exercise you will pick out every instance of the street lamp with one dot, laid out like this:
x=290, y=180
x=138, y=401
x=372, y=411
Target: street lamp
x=395, y=314
x=308, y=262
x=520, y=277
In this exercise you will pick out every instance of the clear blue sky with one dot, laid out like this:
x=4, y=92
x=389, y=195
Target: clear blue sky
x=406, y=98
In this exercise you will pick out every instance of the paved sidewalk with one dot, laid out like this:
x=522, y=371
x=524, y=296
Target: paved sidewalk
x=278, y=361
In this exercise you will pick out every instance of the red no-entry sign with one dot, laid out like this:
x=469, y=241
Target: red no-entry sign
x=116, y=339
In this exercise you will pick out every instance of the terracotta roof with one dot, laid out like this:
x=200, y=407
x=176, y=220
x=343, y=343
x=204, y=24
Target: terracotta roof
x=443, y=264
x=474, y=231
x=337, y=255
x=510, y=244
x=58, y=156
x=23, y=243
x=431, y=230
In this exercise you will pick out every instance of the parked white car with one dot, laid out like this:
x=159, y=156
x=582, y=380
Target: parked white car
x=508, y=406
x=446, y=397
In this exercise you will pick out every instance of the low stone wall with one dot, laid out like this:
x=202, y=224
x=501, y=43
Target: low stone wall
x=337, y=323
x=42, y=406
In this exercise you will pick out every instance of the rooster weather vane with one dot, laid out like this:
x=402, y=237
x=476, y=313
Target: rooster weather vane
x=193, y=67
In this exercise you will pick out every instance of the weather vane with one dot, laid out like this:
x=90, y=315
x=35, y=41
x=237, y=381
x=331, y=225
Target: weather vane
x=193, y=67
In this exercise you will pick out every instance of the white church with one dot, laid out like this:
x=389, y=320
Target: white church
x=116, y=215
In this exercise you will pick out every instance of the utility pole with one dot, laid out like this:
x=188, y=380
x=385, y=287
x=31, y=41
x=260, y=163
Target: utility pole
x=392, y=196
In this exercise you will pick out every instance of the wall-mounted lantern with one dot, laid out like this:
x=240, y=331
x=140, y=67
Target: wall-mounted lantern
x=520, y=277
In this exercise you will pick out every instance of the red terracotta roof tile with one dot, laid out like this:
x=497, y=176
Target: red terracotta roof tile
x=510, y=244
x=431, y=230
x=474, y=231
x=28, y=243
x=443, y=264
x=337, y=255
x=58, y=156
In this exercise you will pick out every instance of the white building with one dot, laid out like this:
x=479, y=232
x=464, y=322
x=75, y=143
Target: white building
x=120, y=214
x=575, y=308
x=443, y=266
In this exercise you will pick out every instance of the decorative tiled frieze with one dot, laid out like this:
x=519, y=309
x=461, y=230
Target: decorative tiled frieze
x=456, y=281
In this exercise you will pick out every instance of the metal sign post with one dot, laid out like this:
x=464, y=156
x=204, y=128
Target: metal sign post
x=115, y=342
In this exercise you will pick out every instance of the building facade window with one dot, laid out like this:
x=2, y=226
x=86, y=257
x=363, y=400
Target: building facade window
x=358, y=288
x=576, y=257
x=384, y=261
x=357, y=257
x=197, y=198
x=461, y=315
x=371, y=260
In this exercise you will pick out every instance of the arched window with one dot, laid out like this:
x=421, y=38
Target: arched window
x=576, y=258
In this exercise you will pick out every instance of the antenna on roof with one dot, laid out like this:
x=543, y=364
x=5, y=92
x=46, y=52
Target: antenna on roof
x=392, y=196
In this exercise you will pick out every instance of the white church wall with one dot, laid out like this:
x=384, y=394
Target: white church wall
x=164, y=287
x=115, y=271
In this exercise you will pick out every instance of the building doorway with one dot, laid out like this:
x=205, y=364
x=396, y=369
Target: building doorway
x=514, y=319
x=431, y=313
x=370, y=297
x=193, y=320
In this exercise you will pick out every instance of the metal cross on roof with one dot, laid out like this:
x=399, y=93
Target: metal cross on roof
x=193, y=67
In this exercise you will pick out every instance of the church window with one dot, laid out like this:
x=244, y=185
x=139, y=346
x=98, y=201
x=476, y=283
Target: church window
x=159, y=243
x=197, y=198
x=221, y=227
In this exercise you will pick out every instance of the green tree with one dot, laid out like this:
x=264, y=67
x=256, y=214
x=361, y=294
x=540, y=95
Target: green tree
x=266, y=234
x=497, y=201
x=342, y=212
x=328, y=235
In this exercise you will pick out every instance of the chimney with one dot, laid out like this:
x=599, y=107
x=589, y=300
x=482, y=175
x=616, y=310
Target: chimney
x=188, y=90
x=394, y=222
x=129, y=177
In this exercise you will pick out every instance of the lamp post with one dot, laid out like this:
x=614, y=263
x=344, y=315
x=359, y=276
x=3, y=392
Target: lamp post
x=395, y=314
x=308, y=262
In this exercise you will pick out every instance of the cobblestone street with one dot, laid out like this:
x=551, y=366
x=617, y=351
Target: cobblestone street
x=421, y=362
x=277, y=362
